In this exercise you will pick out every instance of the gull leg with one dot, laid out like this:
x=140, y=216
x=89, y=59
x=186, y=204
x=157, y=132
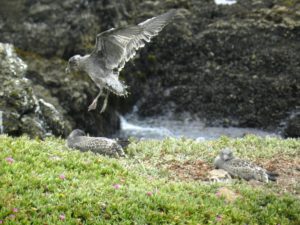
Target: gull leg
x=94, y=103
x=104, y=103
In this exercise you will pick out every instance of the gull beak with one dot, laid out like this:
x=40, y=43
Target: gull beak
x=225, y=157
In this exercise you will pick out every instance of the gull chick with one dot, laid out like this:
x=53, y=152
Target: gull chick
x=113, y=49
x=101, y=145
x=241, y=168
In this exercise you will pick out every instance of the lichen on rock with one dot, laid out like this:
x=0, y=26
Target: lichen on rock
x=10, y=63
x=22, y=112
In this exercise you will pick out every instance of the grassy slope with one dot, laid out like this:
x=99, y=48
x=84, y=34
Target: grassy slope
x=146, y=195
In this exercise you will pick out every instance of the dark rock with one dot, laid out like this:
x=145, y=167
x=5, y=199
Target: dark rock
x=292, y=126
x=42, y=100
x=238, y=62
x=58, y=28
x=22, y=112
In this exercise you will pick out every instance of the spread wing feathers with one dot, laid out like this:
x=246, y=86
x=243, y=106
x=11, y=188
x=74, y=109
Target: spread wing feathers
x=118, y=46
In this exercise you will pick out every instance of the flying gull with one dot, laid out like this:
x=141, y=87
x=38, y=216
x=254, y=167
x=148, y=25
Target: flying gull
x=113, y=49
x=241, y=168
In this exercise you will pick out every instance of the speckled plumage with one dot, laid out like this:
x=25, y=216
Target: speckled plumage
x=113, y=49
x=101, y=145
x=242, y=168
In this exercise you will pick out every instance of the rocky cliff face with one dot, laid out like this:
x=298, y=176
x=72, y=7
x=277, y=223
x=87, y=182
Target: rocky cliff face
x=46, y=34
x=22, y=111
x=37, y=100
x=237, y=65
x=234, y=65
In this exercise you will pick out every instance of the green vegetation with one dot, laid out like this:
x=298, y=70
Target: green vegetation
x=288, y=3
x=44, y=182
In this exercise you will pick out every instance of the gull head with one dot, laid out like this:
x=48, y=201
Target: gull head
x=76, y=133
x=226, y=154
x=73, y=64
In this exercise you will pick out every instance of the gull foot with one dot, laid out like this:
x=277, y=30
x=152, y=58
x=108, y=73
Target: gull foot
x=103, y=109
x=104, y=104
x=93, y=106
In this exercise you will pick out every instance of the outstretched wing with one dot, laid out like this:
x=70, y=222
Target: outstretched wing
x=117, y=46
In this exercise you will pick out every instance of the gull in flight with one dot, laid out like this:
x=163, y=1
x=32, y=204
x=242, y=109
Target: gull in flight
x=113, y=49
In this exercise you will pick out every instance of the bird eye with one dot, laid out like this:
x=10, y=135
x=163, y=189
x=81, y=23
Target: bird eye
x=72, y=61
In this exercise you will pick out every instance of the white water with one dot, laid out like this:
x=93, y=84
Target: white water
x=141, y=130
x=225, y=2
x=162, y=127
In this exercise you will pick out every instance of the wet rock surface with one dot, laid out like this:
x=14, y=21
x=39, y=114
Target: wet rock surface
x=39, y=100
x=292, y=125
x=22, y=111
x=232, y=65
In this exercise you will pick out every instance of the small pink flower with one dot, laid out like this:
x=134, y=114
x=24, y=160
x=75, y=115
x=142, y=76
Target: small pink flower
x=117, y=186
x=149, y=193
x=1, y=221
x=10, y=160
x=62, y=177
x=12, y=216
x=62, y=217
x=219, y=218
x=15, y=210
x=218, y=194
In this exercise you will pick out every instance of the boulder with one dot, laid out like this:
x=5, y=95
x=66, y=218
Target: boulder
x=22, y=112
x=292, y=125
x=38, y=99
